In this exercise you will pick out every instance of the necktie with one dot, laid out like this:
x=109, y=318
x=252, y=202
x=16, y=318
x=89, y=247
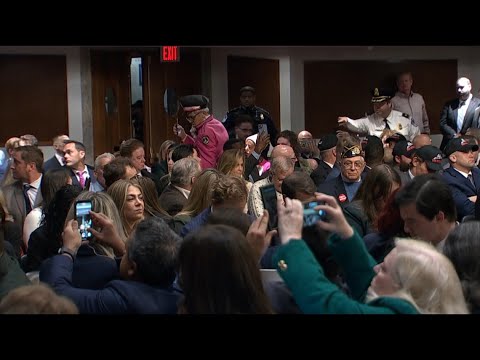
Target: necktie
x=81, y=178
x=28, y=204
x=386, y=124
x=470, y=178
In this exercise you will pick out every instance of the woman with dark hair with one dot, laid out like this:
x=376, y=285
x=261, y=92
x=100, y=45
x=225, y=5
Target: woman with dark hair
x=11, y=275
x=47, y=239
x=52, y=181
x=389, y=225
x=462, y=247
x=362, y=212
x=219, y=274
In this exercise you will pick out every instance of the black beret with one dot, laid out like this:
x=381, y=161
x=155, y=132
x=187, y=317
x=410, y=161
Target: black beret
x=193, y=102
x=327, y=142
x=381, y=94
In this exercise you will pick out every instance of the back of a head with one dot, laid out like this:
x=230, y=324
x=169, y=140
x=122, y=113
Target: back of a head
x=219, y=273
x=430, y=195
x=182, y=151
x=52, y=181
x=201, y=194
x=428, y=278
x=231, y=217
x=154, y=248
x=298, y=183
x=229, y=189
x=116, y=170
x=462, y=247
x=36, y=299
x=373, y=150
x=183, y=171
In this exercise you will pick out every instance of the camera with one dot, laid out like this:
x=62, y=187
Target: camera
x=310, y=215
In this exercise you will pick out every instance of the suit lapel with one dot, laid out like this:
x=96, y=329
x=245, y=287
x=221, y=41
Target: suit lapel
x=20, y=199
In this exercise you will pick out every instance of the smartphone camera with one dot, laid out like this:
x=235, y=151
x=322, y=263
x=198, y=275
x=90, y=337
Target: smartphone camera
x=82, y=213
x=310, y=215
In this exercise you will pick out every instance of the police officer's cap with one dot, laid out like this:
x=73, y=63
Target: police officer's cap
x=247, y=88
x=381, y=94
x=193, y=102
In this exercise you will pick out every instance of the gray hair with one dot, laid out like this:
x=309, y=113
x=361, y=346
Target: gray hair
x=103, y=156
x=183, y=171
x=281, y=164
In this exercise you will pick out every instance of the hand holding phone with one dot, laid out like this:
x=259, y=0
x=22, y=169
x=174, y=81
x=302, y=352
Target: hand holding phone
x=269, y=198
x=82, y=213
x=312, y=216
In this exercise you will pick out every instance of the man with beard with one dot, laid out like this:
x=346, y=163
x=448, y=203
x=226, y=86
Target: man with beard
x=384, y=117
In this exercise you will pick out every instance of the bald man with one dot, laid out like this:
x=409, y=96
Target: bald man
x=459, y=114
x=421, y=140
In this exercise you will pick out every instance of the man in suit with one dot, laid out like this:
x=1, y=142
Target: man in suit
x=463, y=177
x=81, y=174
x=345, y=186
x=459, y=114
x=327, y=146
x=56, y=161
x=175, y=195
x=24, y=194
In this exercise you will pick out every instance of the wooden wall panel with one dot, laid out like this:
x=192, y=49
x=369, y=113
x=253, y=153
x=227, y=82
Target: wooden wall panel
x=263, y=75
x=33, y=96
x=336, y=88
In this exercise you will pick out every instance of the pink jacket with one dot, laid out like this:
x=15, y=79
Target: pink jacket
x=211, y=136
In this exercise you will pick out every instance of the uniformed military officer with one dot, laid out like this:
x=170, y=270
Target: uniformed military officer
x=210, y=133
x=382, y=118
x=261, y=117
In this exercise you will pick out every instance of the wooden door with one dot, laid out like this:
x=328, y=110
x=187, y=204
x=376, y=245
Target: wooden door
x=111, y=102
x=263, y=75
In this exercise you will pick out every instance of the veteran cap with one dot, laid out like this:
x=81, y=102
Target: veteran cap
x=351, y=151
x=193, y=102
x=404, y=148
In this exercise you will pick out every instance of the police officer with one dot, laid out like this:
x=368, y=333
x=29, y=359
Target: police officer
x=261, y=117
x=384, y=117
x=210, y=133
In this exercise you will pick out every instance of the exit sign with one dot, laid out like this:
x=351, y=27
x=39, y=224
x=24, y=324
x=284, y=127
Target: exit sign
x=170, y=54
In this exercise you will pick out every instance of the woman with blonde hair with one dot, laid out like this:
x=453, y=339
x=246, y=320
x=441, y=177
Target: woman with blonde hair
x=232, y=163
x=199, y=199
x=414, y=278
x=128, y=197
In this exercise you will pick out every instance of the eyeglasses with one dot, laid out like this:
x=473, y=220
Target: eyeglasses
x=357, y=164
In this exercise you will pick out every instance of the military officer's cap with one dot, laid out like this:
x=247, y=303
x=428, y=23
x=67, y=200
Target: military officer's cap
x=193, y=102
x=381, y=94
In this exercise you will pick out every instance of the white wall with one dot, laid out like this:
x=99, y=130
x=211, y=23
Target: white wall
x=137, y=93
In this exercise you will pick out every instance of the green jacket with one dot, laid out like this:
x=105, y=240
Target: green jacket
x=315, y=294
x=11, y=275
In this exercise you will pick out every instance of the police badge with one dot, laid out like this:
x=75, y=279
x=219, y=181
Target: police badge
x=400, y=127
x=205, y=140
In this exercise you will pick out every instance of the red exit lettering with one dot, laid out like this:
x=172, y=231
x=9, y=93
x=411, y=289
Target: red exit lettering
x=170, y=54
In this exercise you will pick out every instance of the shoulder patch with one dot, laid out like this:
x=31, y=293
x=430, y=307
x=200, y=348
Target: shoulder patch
x=205, y=140
x=406, y=115
x=263, y=110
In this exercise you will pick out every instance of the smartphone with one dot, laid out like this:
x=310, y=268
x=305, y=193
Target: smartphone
x=262, y=128
x=310, y=215
x=82, y=213
x=269, y=198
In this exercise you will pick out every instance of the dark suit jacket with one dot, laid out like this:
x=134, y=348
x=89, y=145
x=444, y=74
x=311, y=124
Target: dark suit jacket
x=462, y=189
x=51, y=164
x=319, y=175
x=16, y=202
x=335, y=188
x=448, y=119
x=172, y=200
x=75, y=180
x=117, y=297
x=158, y=184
